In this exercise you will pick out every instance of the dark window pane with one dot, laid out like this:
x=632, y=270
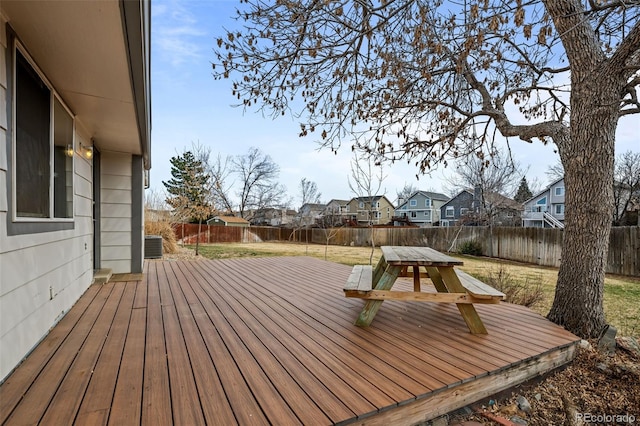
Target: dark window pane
x=62, y=161
x=32, y=141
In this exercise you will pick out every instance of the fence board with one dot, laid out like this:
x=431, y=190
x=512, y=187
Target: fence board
x=541, y=246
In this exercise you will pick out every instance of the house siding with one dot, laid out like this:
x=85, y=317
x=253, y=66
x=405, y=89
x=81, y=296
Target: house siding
x=116, y=211
x=37, y=284
x=420, y=208
x=534, y=218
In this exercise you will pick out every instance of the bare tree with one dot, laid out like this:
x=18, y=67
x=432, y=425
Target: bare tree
x=366, y=182
x=555, y=171
x=257, y=177
x=155, y=205
x=407, y=190
x=221, y=172
x=626, y=186
x=418, y=79
x=309, y=192
x=494, y=173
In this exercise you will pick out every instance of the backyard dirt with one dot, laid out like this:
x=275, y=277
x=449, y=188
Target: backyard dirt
x=594, y=389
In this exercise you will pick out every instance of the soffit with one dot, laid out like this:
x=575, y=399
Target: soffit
x=80, y=47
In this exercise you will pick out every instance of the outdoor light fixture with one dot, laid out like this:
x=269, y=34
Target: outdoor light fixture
x=69, y=151
x=86, y=151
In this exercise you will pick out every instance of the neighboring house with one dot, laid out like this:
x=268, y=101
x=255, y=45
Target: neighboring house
x=335, y=213
x=228, y=221
x=498, y=210
x=273, y=216
x=74, y=151
x=309, y=214
x=546, y=209
x=376, y=210
x=422, y=208
x=458, y=209
x=478, y=208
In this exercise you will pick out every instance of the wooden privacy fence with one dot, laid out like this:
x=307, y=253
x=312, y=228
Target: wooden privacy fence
x=541, y=246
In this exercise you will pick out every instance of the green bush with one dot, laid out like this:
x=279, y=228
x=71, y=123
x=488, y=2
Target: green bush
x=472, y=247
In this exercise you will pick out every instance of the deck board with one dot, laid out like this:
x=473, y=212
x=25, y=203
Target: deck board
x=263, y=341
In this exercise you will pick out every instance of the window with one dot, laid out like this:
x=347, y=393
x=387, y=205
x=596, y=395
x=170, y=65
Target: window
x=427, y=215
x=413, y=203
x=43, y=164
x=427, y=202
x=463, y=211
x=361, y=204
x=404, y=207
x=559, y=191
x=542, y=201
x=414, y=214
x=450, y=211
x=559, y=209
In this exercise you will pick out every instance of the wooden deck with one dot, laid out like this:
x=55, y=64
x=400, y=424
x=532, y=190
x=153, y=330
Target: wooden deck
x=267, y=341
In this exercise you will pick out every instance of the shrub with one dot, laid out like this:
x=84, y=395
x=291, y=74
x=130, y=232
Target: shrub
x=472, y=247
x=162, y=228
x=525, y=292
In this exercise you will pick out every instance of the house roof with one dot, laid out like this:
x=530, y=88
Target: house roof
x=232, y=219
x=316, y=206
x=457, y=195
x=432, y=195
x=500, y=200
x=338, y=201
x=371, y=199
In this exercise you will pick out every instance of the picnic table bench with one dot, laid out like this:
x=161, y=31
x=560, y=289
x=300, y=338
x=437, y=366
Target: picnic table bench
x=452, y=285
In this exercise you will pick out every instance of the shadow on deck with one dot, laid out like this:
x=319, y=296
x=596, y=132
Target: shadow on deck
x=268, y=341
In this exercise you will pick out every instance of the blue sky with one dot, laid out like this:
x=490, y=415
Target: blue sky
x=188, y=105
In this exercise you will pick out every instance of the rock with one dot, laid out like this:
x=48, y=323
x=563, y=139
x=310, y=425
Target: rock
x=440, y=421
x=518, y=420
x=607, y=340
x=523, y=404
x=603, y=367
x=629, y=344
x=538, y=397
x=584, y=344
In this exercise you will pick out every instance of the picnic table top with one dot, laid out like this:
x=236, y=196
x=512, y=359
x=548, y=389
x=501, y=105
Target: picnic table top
x=417, y=256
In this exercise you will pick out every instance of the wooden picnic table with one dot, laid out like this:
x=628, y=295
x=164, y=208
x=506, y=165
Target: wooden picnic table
x=453, y=286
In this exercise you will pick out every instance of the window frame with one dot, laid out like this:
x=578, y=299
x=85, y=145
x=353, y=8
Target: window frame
x=558, y=191
x=21, y=221
x=451, y=209
x=413, y=203
x=559, y=207
x=427, y=202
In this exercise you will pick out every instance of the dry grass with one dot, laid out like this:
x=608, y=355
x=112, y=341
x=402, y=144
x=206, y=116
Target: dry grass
x=622, y=294
x=162, y=228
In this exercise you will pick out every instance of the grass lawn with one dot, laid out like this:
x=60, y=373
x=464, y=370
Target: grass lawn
x=621, y=299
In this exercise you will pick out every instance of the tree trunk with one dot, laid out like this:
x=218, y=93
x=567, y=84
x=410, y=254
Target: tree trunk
x=587, y=156
x=198, y=237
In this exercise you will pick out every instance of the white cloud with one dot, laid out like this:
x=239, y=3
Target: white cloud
x=175, y=34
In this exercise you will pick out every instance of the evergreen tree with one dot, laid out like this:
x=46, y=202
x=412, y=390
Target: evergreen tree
x=524, y=193
x=188, y=190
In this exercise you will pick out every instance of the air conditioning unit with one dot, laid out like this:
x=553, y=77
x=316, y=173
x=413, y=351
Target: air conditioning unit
x=152, y=247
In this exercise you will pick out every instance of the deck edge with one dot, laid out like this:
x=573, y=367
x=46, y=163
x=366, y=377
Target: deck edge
x=446, y=400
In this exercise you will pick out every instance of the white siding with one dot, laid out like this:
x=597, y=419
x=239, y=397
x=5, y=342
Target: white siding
x=42, y=274
x=115, y=224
